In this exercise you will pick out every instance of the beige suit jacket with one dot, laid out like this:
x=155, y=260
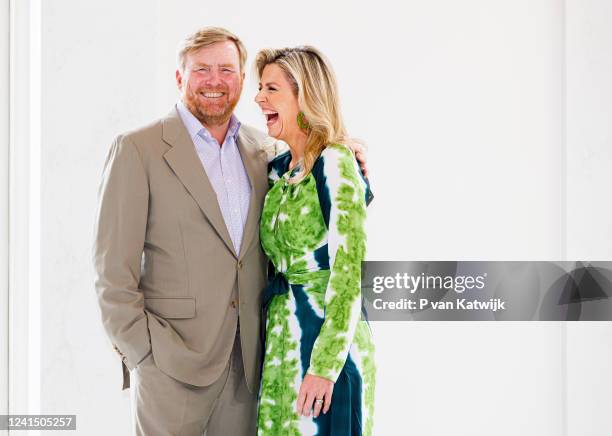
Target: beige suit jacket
x=168, y=279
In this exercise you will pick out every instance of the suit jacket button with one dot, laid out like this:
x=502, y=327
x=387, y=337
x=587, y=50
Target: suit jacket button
x=239, y=264
x=233, y=304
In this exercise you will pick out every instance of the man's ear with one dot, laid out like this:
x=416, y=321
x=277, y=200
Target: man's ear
x=179, y=79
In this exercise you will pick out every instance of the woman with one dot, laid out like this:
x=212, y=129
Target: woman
x=312, y=229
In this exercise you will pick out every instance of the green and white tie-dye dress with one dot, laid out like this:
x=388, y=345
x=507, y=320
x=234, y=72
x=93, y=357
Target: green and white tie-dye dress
x=313, y=233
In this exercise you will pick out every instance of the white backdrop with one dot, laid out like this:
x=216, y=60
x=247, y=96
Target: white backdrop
x=488, y=140
x=588, y=132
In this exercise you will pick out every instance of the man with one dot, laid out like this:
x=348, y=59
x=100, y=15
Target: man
x=179, y=268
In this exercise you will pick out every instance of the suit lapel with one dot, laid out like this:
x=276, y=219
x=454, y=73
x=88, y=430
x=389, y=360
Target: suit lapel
x=184, y=161
x=255, y=163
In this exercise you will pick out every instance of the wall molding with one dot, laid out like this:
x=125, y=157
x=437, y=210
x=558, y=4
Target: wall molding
x=24, y=208
x=4, y=202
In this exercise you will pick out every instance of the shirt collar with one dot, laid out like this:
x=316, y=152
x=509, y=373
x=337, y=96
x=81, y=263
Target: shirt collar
x=195, y=127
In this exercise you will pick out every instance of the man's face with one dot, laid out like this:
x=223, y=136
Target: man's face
x=211, y=82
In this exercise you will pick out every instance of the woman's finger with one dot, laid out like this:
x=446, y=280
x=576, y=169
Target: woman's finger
x=308, y=403
x=318, y=404
x=328, y=398
x=299, y=406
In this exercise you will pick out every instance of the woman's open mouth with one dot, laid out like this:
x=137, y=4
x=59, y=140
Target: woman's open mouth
x=271, y=117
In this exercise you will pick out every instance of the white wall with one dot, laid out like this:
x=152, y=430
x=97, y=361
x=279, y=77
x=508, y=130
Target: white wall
x=99, y=79
x=24, y=108
x=589, y=210
x=462, y=105
x=463, y=116
x=4, y=201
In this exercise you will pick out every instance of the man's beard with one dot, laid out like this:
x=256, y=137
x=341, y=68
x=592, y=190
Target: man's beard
x=215, y=117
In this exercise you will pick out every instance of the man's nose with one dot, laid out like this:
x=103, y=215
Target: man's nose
x=213, y=78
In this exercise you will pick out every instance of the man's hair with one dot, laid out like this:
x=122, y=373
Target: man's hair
x=205, y=37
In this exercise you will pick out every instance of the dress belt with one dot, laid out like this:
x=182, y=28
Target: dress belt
x=279, y=284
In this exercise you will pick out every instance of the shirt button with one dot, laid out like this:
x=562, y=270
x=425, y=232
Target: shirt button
x=233, y=304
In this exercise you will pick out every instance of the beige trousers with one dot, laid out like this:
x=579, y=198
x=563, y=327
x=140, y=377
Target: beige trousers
x=164, y=406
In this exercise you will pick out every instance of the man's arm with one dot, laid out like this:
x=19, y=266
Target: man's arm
x=120, y=228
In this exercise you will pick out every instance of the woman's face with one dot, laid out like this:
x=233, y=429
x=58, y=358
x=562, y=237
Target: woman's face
x=278, y=103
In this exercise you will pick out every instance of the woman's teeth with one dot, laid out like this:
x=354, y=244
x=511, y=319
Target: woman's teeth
x=270, y=116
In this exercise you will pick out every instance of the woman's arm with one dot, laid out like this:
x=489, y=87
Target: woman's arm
x=346, y=248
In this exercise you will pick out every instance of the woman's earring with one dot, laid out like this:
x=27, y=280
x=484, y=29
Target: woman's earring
x=302, y=123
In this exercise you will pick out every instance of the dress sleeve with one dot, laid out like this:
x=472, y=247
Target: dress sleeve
x=346, y=248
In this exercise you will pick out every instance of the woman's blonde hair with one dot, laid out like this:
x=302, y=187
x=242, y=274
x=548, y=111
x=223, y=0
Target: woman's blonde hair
x=208, y=36
x=315, y=87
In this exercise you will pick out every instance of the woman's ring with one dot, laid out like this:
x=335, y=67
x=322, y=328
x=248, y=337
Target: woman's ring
x=318, y=401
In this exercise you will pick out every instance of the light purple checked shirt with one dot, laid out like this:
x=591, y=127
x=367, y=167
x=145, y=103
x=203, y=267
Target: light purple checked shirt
x=225, y=170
